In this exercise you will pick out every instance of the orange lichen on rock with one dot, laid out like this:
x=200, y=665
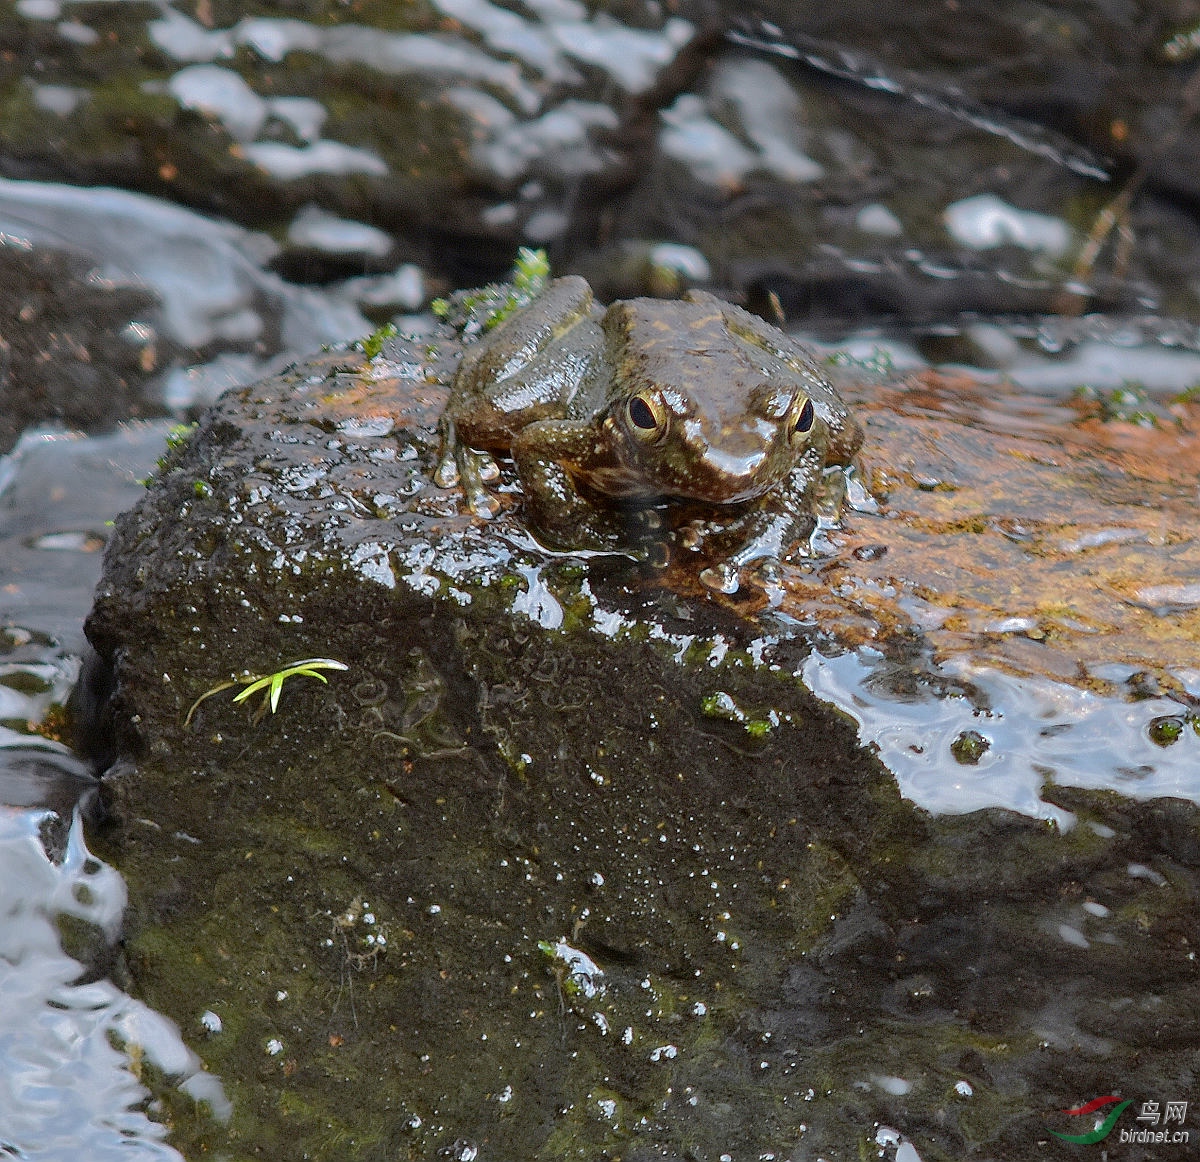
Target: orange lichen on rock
x=1019, y=529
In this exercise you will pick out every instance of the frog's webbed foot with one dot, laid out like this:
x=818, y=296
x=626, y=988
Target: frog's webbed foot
x=458, y=464
x=722, y=578
x=765, y=545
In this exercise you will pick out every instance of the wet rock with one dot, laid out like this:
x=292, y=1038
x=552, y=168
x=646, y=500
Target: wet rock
x=857, y=934
x=214, y=293
x=504, y=881
x=514, y=774
x=77, y=350
x=1027, y=529
x=462, y=120
x=821, y=154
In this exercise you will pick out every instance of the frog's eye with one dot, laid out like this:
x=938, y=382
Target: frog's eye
x=801, y=420
x=647, y=417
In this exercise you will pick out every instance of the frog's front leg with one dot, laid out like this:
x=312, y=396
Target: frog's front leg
x=768, y=532
x=459, y=463
x=550, y=456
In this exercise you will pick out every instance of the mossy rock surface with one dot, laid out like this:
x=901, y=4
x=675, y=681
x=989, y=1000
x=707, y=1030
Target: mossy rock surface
x=568, y=863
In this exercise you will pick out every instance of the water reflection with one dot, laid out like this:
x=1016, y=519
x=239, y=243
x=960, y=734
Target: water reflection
x=208, y=274
x=1036, y=732
x=67, y=1091
x=57, y=491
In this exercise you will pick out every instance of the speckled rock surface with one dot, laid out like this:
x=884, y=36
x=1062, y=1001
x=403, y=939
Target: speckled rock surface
x=532, y=766
x=569, y=862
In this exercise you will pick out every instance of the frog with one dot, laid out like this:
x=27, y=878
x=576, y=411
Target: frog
x=612, y=415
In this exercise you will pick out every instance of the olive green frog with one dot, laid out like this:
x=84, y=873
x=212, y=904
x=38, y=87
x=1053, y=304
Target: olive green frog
x=608, y=414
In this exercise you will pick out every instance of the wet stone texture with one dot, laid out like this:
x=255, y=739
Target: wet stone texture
x=75, y=349
x=569, y=863
x=810, y=152
x=1035, y=534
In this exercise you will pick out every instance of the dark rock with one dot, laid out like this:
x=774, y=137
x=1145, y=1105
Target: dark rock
x=858, y=934
x=67, y=354
x=515, y=772
x=505, y=882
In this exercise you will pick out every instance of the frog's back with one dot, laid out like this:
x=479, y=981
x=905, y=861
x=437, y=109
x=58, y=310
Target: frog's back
x=526, y=333
x=528, y=368
x=684, y=349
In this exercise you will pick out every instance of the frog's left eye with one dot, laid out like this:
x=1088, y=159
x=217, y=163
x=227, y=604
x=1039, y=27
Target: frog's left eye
x=647, y=416
x=802, y=418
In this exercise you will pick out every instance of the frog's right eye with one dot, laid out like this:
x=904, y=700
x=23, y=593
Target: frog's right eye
x=646, y=415
x=800, y=422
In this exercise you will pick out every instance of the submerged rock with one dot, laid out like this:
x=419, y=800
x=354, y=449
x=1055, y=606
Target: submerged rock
x=78, y=349
x=569, y=861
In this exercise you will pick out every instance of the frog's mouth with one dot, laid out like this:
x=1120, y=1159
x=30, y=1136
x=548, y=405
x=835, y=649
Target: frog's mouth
x=720, y=476
x=743, y=471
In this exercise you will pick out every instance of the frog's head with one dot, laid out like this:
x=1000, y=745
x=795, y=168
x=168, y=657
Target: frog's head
x=714, y=447
x=700, y=409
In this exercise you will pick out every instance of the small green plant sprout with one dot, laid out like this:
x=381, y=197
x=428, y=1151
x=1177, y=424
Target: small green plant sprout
x=177, y=438
x=178, y=435
x=724, y=705
x=1130, y=404
x=473, y=312
x=531, y=271
x=270, y=684
x=879, y=364
x=372, y=345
